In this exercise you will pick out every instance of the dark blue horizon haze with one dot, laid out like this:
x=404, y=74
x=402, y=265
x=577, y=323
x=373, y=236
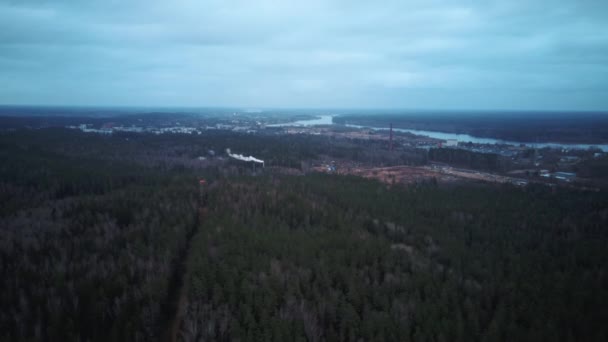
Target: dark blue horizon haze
x=443, y=55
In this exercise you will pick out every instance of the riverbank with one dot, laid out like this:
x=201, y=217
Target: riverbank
x=459, y=137
x=541, y=129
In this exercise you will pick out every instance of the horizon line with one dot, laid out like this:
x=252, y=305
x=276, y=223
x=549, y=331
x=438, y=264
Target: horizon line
x=270, y=108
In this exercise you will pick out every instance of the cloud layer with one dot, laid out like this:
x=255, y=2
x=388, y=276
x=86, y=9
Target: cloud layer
x=268, y=53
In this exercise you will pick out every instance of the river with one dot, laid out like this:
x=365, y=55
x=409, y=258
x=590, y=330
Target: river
x=320, y=120
x=478, y=140
x=328, y=120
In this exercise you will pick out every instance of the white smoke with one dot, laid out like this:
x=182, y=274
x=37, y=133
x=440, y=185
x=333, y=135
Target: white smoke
x=243, y=158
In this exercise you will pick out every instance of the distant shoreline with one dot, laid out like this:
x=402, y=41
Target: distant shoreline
x=587, y=129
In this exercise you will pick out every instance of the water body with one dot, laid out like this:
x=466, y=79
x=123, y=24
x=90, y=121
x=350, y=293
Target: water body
x=320, y=120
x=478, y=140
x=328, y=120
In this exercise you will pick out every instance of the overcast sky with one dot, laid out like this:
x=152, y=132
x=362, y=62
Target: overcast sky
x=507, y=54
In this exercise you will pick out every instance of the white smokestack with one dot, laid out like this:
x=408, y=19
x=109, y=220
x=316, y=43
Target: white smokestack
x=243, y=158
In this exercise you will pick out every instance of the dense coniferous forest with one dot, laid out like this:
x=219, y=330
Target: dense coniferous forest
x=339, y=258
x=114, y=238
x=88, y=246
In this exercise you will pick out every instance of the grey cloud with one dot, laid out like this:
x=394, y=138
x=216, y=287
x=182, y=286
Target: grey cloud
x=415, y=54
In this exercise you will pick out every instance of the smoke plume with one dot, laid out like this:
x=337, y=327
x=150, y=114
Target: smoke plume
x=243, y=158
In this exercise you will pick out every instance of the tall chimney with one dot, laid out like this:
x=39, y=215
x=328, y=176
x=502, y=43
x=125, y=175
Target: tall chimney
x=391, y=138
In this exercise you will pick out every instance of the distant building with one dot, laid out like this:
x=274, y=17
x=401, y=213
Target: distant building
x=565, y=176
x=241, y=129
x=520, y=182
x=451, y=142
x=570, y=159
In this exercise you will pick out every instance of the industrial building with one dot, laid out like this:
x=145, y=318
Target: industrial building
x=451, y=143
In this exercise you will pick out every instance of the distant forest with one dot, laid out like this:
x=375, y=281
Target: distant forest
x=564, y=127
x=114, y=238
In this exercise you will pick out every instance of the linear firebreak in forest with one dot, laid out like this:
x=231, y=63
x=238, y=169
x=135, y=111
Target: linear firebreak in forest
x=178, y=287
